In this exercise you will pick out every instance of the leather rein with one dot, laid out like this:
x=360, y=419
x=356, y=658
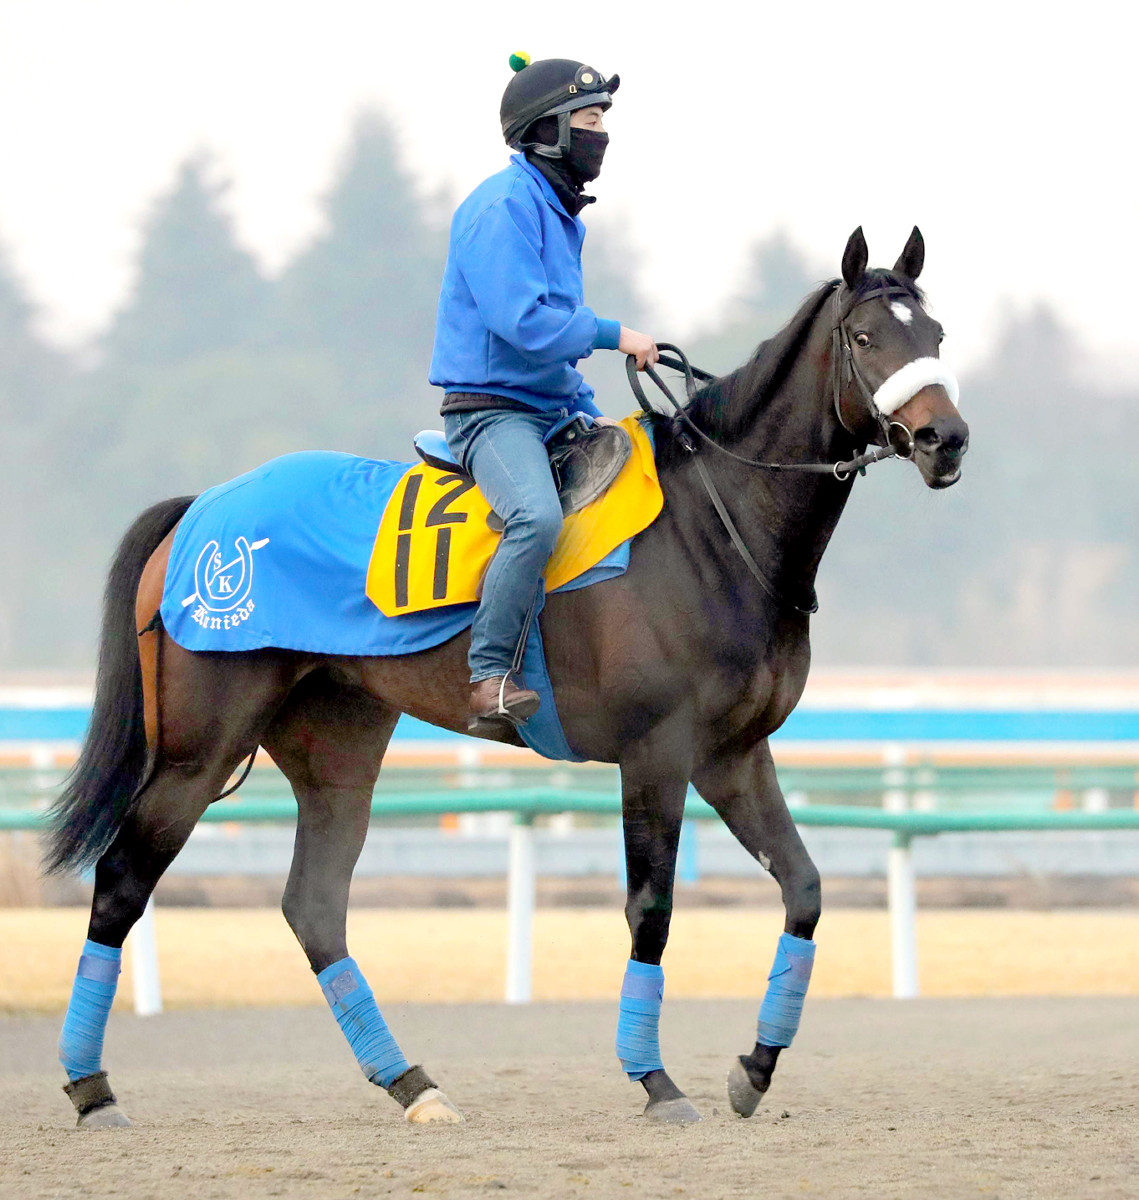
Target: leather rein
x=843, y=368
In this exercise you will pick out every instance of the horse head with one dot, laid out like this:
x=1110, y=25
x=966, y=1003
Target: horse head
x=890, y=384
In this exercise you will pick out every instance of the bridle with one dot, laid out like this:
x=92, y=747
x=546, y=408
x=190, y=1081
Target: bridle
x=844, y=368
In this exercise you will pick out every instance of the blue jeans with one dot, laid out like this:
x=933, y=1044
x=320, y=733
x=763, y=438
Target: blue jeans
x=505, y=453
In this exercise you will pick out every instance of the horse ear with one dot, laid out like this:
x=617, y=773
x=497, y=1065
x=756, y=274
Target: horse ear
x=912, y=258
x=854, y=258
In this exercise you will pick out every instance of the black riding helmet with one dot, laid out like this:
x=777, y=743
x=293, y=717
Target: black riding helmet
x=550, y=87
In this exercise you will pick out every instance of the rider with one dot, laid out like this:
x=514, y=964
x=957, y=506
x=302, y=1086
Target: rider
x=510, y=329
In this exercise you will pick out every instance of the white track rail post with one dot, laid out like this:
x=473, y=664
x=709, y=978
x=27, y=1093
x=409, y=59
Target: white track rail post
x=521, y=885
x=901, y=891
x=902, y=900
x=144, y=964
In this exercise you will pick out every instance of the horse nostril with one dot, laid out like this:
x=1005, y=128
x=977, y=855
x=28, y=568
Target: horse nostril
x=954, y=439
x=943, y=436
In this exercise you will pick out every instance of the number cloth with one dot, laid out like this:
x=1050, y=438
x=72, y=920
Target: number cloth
x=434, y=543
x=280, y=557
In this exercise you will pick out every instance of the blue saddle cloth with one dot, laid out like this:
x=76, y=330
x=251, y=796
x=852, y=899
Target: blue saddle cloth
x=278, y=557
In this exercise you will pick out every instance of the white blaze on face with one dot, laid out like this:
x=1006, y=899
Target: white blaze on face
x=903, y=312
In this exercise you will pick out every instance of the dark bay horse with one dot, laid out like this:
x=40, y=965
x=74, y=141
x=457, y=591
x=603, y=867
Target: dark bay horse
x=678, y=671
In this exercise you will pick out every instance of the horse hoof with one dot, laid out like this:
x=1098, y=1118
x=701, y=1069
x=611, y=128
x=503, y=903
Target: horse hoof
x=743, y=1095
x=677, y=1111
x=431, y=1105
x=107, y=1116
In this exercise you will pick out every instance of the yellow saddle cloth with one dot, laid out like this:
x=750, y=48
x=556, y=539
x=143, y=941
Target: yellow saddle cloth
x=434, y=544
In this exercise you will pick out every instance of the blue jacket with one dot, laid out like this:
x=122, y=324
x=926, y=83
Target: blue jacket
x=511, y=320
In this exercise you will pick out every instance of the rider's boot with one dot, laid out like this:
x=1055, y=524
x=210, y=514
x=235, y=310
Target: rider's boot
x=500, y=699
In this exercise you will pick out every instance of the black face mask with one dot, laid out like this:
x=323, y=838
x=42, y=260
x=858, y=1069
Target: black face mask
x=587, y=149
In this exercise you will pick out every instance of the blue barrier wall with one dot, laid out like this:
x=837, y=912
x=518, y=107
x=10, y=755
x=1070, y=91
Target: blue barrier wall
x=805, y=724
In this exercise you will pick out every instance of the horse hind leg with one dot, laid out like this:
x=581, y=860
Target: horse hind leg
x=214, y=712
x=330, y=740
x=746, y=794
x=125, y=877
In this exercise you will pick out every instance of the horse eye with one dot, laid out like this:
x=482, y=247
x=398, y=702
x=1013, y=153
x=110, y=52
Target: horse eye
x=862, y=339
x=940, y=336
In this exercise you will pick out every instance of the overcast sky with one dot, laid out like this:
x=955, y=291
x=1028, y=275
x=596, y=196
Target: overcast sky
x=1006, y=131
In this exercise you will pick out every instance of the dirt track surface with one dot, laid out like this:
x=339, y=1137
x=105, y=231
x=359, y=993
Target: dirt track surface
x=944, y=1098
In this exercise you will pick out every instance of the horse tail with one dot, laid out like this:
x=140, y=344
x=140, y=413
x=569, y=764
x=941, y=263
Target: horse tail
x=100, y=790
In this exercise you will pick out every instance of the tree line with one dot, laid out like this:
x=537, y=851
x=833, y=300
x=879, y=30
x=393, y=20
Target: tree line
x=210, y=367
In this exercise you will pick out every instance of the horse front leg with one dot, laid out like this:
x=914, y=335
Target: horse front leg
x=745, y=792
x=652, y=795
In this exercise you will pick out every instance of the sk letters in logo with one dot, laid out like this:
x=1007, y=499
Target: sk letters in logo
x=223, y=587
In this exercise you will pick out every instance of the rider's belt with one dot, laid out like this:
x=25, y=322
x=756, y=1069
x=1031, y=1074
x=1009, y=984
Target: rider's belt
x=480, y=401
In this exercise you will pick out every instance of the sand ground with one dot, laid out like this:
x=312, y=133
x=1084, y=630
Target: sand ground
x=986, y=1098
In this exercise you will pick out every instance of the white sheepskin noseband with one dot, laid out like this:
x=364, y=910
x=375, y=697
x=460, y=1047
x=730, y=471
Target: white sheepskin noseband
x=907, y=381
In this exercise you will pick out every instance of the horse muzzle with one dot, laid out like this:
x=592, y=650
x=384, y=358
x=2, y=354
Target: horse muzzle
x=939, y=447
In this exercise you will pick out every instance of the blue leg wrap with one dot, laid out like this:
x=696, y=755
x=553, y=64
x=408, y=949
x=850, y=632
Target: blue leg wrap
x=354, y=1007
x=81, y=1039
x=786, y=990
x=638, y=1042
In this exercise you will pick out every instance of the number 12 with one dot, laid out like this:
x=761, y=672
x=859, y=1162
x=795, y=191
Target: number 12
x=439, y=517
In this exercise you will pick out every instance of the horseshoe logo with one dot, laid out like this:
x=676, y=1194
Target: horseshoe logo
x=222, y=586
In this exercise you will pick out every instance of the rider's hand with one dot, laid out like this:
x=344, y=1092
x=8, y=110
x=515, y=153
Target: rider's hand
x=605, y=421
x=640, y=345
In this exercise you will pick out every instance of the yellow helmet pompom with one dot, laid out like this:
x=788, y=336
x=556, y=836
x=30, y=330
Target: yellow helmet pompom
x=519, y=59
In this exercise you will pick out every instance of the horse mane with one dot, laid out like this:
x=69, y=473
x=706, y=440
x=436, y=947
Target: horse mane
x=728, y=404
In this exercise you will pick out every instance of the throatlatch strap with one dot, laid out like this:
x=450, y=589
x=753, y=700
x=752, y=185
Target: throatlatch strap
x=353, y=1005
x=786, y=990
x=92, y=994
x=638, y=1041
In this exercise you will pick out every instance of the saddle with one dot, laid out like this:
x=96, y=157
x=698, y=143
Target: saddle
x=584, y=458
